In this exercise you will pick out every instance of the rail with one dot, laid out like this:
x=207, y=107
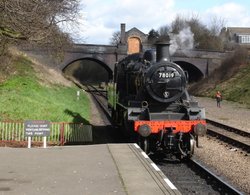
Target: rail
x=229, y=128
x=222, y=186
x=231, y=135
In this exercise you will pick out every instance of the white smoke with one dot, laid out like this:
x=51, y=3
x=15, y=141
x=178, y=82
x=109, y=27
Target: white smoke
x=183, y=41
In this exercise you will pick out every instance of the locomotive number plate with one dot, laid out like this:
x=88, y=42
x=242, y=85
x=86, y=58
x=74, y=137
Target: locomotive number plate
x=166, y=75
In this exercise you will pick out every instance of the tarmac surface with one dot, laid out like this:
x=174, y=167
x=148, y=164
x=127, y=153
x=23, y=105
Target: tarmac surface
x=91, y=169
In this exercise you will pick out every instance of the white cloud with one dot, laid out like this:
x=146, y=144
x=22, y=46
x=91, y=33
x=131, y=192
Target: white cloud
x=101, y=18
x=235, y=15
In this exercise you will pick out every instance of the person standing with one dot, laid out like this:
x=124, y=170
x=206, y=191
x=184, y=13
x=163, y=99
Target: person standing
x=218, y=98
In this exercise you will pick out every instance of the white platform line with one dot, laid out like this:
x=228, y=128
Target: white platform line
x=136, y=145
x=155, y=166
x=170, y=184
x=144, y=154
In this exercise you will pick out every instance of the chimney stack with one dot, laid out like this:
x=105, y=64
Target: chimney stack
x=123, y=26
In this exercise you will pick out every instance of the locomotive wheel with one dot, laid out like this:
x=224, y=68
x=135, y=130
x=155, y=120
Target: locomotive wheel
x=187, y=150
x=144, y=144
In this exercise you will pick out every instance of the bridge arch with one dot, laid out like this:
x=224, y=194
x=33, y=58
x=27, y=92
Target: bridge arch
x=88, y=67
x=195, y=74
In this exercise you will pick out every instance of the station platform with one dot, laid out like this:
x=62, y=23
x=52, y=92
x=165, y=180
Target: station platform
x=103, y=169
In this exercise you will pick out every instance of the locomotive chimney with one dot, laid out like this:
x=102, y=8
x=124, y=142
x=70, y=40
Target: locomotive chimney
x=162, y=51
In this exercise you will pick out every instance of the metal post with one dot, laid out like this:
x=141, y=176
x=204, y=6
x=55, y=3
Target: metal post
x=78, y=95
x=44, y=142
x=62, y=134
x=29, y=142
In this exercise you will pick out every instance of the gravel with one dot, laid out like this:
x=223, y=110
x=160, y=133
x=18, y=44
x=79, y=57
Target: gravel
x=229, y=163
x=231, y=113
x=226, y=162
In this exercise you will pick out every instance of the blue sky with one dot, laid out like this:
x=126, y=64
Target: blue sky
x=100, y=18
x=203, y=5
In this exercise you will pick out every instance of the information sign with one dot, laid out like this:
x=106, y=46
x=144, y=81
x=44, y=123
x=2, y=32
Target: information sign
x=34, y=128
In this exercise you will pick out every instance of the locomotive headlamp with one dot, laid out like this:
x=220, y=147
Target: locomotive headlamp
x=200, y=129
x=144, y=130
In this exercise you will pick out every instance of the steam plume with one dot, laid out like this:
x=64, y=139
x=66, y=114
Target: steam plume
x=184, y=41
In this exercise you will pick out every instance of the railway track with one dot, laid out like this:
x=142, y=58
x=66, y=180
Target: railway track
x=236, y=137
x=109, y=133
x=100, y=97
x=190, y=177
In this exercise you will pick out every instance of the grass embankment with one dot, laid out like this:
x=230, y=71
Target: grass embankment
x=23, y=97
x=232, y=79
x=236, y=88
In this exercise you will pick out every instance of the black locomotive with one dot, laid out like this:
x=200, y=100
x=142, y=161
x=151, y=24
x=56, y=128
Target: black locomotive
x=150, y=102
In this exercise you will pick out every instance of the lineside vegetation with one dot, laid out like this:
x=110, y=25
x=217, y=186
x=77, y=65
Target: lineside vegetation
x=23, y=97
x=231, y=79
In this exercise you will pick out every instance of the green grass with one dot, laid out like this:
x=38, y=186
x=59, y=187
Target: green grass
x=237, y=88
x=23, y=98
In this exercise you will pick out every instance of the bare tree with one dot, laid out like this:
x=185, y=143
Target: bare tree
x=164, y=33
x=36, y=21
x=178, y=24
x=116, y=38
x=204, y=37
x=153, y=35
x=164, y=30
x=216, y=25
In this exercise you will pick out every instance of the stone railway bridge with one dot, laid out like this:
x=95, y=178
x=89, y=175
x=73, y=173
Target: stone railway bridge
x=96, y=59
x=198, y=63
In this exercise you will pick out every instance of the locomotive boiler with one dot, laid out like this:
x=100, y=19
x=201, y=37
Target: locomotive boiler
x=150, y=102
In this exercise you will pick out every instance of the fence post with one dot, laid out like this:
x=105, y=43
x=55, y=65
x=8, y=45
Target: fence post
x=62, y=134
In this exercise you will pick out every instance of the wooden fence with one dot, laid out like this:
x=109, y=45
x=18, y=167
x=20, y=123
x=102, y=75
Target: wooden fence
x=60, y=133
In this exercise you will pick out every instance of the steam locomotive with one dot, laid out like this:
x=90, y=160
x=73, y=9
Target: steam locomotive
x=150, y=102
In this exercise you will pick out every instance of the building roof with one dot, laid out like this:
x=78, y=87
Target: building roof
x=135, y=30
x=238, y=30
